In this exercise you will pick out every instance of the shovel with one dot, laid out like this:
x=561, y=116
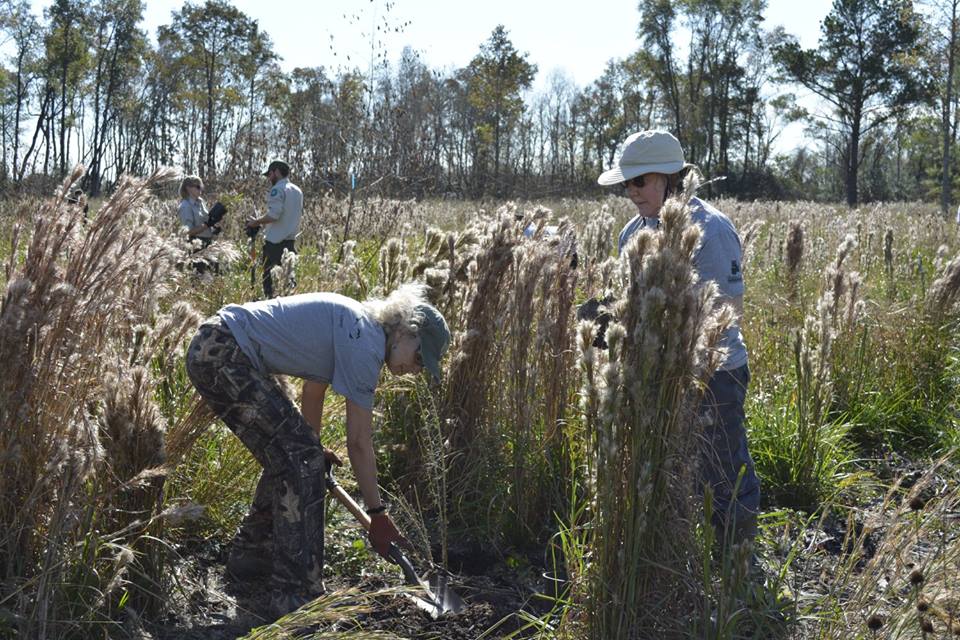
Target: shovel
x=437, y=598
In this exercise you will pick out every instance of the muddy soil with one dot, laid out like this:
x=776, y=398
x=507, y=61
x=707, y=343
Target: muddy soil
x=208, y=605
x=205, y=605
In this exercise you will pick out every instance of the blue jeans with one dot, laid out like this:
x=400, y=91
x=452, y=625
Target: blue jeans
x=725, y=452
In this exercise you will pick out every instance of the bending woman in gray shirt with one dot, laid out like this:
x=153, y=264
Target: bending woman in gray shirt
x=328, y=340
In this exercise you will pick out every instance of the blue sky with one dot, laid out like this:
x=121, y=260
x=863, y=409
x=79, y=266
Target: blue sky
x=576, y=37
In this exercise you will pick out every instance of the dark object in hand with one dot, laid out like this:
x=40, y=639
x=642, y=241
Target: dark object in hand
x=252, y=232
x=597, y=310
x=216, y=215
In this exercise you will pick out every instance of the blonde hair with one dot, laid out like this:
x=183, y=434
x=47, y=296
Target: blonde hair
x=189, y=181
x=397, y=313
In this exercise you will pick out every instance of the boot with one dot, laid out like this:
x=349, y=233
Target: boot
x=285, y=600
x=249, y=564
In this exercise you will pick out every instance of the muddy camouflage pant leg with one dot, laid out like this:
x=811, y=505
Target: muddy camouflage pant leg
x=256, y=531
x=254, y=407
x=726, y=453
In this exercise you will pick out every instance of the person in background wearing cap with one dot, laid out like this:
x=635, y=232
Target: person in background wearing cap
x=328, y=340
x=282, y=220
x=650, y=169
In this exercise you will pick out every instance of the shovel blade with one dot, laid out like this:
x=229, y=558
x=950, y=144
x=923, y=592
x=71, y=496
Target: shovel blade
x=446, y=599
x=437, y=597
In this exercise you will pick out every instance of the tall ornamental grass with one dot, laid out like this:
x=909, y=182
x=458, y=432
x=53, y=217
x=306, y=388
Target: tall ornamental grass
x=646, y=435
x=82, y=441
x=504, y=403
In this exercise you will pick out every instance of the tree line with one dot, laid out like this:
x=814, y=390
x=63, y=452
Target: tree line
x=84, y=83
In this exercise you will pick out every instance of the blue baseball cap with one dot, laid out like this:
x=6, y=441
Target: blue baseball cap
x=434, y=338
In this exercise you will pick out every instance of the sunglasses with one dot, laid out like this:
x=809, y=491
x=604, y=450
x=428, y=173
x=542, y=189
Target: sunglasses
x=638, y=182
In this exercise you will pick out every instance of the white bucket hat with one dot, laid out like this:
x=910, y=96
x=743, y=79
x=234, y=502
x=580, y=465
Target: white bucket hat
x=645, y=152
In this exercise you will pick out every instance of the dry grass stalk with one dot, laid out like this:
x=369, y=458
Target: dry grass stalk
x=394, y=265
x=748, y=236
x=794, y=259
x=888, y=262
x=944, y=292
x=536, y=347
x=596, y=245
x=555, y=330
x=466, y=382
x=444, y=264
x=182, y=435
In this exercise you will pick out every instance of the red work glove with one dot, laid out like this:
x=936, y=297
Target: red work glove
x=383, y=532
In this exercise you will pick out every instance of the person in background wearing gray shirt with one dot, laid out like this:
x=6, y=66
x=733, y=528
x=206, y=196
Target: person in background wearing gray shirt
x=193, y=211
x=282, y=220
x=194, y=218
x=329, y=341
x=650, y=169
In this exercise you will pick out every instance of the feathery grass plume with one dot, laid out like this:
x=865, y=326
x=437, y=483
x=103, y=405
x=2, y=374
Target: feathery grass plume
x=794, y=259
x=589, y=362
x=162, y=344
x=393, y=265
x=349, y=274
x=224, y=254
x=748, y=235
x=59, y=318
x=323, y=245
x=528, y=263
x=648, y=433
x=943, y=251
x=185, y=432
x=596, y=241
x=466, y=384
x=769, y=251
x=285, y=274
x=944, y=292
x=132, y=429
x=555, y=334
x=444, y=262
x=843, y=285
x=465, y=406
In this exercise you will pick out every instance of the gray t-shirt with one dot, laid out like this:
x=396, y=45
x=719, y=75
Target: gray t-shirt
x=718, y=258
x=322, y=337
x=193, y=213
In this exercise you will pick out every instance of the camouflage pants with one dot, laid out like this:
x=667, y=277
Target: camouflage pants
x=289, y=501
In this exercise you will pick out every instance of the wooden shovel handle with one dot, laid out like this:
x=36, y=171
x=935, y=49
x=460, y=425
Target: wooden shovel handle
x=351, y=505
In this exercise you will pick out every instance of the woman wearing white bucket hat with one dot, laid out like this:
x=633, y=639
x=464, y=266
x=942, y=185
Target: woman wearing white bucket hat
x=650, y=168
